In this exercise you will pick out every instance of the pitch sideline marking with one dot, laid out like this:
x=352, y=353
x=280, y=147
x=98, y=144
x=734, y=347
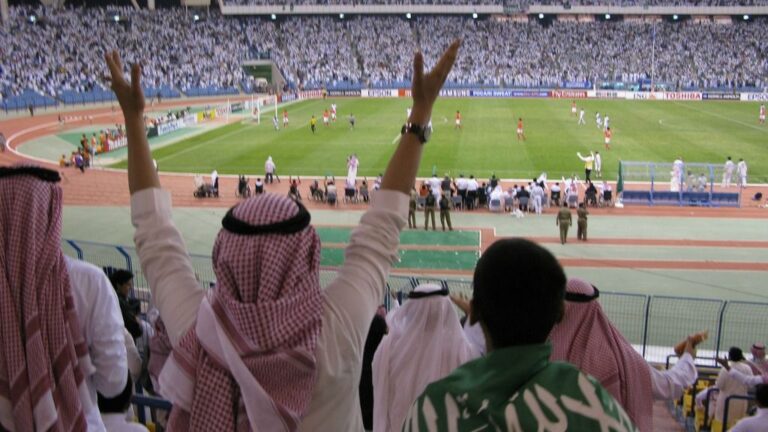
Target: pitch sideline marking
x=206, y=142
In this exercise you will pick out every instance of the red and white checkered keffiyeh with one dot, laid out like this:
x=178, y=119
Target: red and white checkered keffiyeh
x=588, y=339
x=249, y=362
x=43, y=355
x=159, y=349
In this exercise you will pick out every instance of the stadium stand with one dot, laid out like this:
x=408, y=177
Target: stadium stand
x=503, y=2
x=348, y=54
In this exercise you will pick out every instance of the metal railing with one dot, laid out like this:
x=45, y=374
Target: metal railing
x=652, y=324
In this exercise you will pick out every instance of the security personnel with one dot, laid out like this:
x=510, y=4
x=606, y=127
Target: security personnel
x=564, y=220
x=445, y=210
x=429, y=210
x=581, y=227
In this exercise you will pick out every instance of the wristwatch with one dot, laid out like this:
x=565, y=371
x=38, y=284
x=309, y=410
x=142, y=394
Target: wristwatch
x=422, y=132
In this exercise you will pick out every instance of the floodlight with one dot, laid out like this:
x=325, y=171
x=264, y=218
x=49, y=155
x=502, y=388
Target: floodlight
x=196, y=17
x=117, y=18
x=274, y=17
x=32, y=19
x=607, y=16
x=675, y=17
x=408, y=15
x=746, y=17
x=341, y=16
x=541, y=16
x=474, y=15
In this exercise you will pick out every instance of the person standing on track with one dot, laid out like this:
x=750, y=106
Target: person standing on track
x=269, y=170
x=445, y=211
x=581, y=223
x=564, y=221
x=429, y=210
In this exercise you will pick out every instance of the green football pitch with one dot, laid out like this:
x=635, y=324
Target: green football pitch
x=487, y=144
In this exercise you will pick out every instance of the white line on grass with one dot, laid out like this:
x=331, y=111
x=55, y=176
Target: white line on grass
x=206, y=142
x=761, y=129
x=263, y=114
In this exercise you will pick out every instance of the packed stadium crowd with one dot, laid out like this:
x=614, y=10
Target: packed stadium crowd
x=315, y=51
x=505, y=2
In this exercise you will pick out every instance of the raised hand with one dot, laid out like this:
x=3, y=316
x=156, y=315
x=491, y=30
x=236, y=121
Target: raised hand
x=461, y=301
x=426, y=87
x=723, y=362
x=130, y=95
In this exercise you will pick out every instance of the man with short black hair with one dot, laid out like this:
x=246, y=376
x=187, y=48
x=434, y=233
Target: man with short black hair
x=122, y=282
x=516, y=315
x=113, y=411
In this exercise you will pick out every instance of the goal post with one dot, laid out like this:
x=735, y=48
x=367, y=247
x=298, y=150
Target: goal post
x=675, y=183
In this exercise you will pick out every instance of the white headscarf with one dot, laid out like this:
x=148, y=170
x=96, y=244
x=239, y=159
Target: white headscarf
x=425, y=343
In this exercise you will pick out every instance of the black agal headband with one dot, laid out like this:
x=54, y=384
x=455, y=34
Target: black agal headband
x=43, y=174
x=582, y=298
x=422, y=294
x=288, y=226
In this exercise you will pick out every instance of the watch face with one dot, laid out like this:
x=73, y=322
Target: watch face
x=427, y=133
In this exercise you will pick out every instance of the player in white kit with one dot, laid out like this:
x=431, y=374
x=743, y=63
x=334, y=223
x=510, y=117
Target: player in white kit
x=741, y=167
x=581, y=118
x=333, y=112
x=762, y=114
x=599, y=121
x=606, y=122
x=728, y=172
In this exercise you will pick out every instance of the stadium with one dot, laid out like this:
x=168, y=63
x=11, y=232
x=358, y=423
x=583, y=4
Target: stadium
x=642, y=121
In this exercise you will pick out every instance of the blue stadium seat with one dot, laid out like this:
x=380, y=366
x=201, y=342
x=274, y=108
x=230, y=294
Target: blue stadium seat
x=726, y=199
x=636, y=197
x=696, y=198
x=666, y=197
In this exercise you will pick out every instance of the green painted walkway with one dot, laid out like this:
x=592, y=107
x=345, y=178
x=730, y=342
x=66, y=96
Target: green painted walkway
x=431, y=238
x=199, y=227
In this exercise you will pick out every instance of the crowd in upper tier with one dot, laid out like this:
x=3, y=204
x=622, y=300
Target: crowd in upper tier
x=62, y=50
